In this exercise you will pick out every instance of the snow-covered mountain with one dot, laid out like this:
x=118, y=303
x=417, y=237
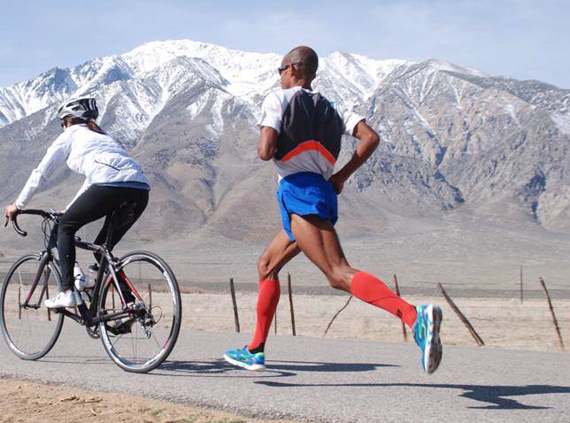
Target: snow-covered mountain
x=248, y=76
x=455, y=138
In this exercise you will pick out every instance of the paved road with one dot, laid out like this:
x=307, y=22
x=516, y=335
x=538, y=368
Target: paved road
x=324, y=380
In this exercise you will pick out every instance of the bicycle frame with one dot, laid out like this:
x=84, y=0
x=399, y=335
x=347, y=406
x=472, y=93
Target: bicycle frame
x=87, y=316
x=90, y=316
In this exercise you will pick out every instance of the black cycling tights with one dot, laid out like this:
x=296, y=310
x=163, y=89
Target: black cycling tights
x=97, y=202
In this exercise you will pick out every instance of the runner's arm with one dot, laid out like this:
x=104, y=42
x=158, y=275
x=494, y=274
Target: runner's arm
x=267, y=143
x=368, y=142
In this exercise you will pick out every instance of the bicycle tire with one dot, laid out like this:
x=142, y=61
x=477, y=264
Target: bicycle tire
x=39, y=332
x=127, y=355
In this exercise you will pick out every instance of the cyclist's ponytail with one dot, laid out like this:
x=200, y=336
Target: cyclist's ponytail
x=94, y=127
x=89, y=122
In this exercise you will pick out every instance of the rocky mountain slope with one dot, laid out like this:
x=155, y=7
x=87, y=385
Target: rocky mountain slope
x=455, y=140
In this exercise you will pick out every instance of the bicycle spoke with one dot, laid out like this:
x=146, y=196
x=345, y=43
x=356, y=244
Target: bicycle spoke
x=144, y=279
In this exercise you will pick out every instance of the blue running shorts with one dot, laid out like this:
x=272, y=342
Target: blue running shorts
x=306, y=193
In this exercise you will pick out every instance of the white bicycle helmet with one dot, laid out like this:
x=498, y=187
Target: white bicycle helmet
x=81, y=107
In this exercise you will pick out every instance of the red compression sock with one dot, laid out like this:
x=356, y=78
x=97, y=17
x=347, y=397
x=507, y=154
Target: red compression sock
x=372, y=290
x=267, y=300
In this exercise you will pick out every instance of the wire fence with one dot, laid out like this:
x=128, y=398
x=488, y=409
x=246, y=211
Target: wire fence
x=497, y=318
x=487, y=305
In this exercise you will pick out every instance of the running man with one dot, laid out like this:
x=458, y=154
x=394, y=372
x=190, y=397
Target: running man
x=301, y=131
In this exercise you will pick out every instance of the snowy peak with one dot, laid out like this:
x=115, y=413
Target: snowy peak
x=154, y=72
x=247, y=73
x=139, y=99
x=441, y=65
x=23, y=99
x=154, y=54
x=365, y=73
x=100, y=72
x=180, y=71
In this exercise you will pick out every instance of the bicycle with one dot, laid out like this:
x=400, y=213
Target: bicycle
x=138, y=330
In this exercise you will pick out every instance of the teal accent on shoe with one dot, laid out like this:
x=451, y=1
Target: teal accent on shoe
x=426, y=335
x=243, y=358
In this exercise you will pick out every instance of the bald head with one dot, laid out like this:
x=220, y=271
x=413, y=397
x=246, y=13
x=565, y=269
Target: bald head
x=306, y=60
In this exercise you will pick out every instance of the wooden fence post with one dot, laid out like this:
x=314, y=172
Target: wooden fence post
x=275, y=323
x=404, y=331
x=290, y=290
x=554, y=320
x=234, y=302
x=462, y=317
x=521, y=284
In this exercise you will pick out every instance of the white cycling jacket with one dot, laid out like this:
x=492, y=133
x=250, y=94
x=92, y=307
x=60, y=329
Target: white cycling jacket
x=96, y=156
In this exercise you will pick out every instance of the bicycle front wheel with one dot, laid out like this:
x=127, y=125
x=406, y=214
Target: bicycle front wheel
x=29, y=327
x=144, y=336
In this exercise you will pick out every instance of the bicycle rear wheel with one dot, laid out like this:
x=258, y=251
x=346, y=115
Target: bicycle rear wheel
x=143, y=339
x=30, y=330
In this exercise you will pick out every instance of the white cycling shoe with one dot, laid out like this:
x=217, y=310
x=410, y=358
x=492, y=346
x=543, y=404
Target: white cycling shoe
x=63, y=299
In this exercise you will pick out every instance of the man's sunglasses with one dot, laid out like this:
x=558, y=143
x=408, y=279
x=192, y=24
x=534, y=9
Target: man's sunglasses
x=283, y=68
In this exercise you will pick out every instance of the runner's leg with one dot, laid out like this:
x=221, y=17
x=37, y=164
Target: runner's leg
x=279, y=252
x=319, y=241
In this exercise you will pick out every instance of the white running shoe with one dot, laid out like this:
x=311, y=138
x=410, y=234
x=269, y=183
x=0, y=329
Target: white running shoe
x=63, y=299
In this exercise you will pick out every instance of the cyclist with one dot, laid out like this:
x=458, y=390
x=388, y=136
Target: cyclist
x=301, y=131
x=112, y=179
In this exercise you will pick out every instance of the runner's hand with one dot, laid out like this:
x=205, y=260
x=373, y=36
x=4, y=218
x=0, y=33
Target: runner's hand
x=337, y=183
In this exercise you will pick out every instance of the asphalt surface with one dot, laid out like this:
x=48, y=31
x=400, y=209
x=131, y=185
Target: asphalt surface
x=323, y=380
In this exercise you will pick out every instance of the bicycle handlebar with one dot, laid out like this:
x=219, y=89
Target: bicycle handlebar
x=46, y=215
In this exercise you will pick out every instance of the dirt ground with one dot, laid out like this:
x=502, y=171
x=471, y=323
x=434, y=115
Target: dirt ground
x=26, y=402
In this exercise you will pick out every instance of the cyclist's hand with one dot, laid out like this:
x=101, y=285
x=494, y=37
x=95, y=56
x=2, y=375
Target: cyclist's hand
x=9, y=212
x=337, y=183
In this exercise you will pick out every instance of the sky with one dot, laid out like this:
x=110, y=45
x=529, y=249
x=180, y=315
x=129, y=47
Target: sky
x=523, y=39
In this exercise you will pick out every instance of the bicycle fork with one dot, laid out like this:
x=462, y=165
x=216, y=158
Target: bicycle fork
x=42, y=270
